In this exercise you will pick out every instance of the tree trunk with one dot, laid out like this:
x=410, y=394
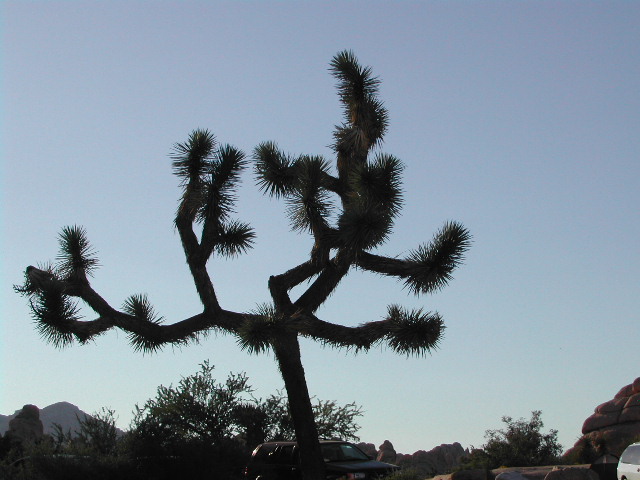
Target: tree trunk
x=287, y=352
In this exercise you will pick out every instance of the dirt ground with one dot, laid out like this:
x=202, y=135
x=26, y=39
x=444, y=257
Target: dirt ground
x=531, y=473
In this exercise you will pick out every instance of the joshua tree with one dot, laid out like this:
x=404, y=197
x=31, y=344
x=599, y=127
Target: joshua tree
x=348, y=211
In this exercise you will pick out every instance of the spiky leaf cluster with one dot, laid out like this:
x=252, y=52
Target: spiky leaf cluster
x=365, y=118
x=76, y=256
x=138, y=306
x=220, y=185
x=275, y=172
x=379, y=183
x=53, y=311
x=363, y=226
x=302, y=182
x=54, y=314
x=210, y=176
x=30, y=285
x=430, y=267
x=414, y=332
x=234, y=238
x=308, y=203
x=191, y=159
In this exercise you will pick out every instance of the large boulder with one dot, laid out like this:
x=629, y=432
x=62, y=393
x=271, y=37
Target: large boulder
x=26, y=427
x=386, y=453
x=616, y=422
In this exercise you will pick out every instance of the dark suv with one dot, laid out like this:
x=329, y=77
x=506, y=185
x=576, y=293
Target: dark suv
x=344, y=461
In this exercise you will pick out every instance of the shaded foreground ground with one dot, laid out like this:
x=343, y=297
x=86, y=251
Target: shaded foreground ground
x=531, y=473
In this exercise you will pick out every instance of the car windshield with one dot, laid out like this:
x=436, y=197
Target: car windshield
x=631, y=455
x=342, y=452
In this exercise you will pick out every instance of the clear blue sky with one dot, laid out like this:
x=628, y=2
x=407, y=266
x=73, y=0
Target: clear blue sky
x=519, y=119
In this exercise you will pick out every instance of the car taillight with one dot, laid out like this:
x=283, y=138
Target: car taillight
x=352, y=476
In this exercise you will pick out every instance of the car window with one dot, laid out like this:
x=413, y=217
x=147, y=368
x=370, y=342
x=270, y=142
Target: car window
x=631, y=455
x=261, y=453
x=342, y=452
x=351, y=452
x=286, y=454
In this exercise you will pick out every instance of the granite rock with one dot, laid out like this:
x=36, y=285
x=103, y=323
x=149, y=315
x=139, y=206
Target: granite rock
x=616, y=422
x=26, y=426
x=386, y=453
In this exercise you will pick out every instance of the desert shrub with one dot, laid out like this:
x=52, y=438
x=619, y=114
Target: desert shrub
x=91, y=452
x=41, y=461
x=477, y=459
x=189, y=430
x=202, y=428
x=97, y=435
x=519, y=444
x=17, y=467
x=586, y=450
x=197, y=429
x=16, y=458
x=333, y=421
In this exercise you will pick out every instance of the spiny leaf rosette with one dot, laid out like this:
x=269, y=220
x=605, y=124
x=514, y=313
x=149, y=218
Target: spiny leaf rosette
x=347, y=205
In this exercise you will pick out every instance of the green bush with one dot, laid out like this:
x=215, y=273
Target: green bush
x=587, y=449
x=519, y=444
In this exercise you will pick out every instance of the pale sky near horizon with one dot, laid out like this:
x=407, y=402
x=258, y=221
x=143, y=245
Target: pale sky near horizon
x=519, y=119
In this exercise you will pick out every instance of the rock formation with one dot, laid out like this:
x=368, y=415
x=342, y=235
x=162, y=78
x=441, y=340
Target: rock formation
x=368, y=448
x=616, y=422
x=64, y=414
x=386, y=453
x=441, y=459
x=26, y=426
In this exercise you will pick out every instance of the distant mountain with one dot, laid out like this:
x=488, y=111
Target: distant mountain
x=64, y=414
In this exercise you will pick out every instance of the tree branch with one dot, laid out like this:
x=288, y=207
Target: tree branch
x=382, y=265
x=197, y=261
x=324, y=285
x=153, y=333
x=429, y=267
x=280, y=285
x=409, y=332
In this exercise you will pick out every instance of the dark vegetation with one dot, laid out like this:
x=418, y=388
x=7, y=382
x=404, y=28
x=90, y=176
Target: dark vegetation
x=587, y=449
x=521, y=443
x=199, y=429
x=347, y=207
x=202, y=429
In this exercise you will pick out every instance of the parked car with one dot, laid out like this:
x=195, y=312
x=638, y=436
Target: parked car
x=344, y=461
x=629, y=464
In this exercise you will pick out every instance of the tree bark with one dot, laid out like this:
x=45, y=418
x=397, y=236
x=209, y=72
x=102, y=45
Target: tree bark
x=287, y=350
